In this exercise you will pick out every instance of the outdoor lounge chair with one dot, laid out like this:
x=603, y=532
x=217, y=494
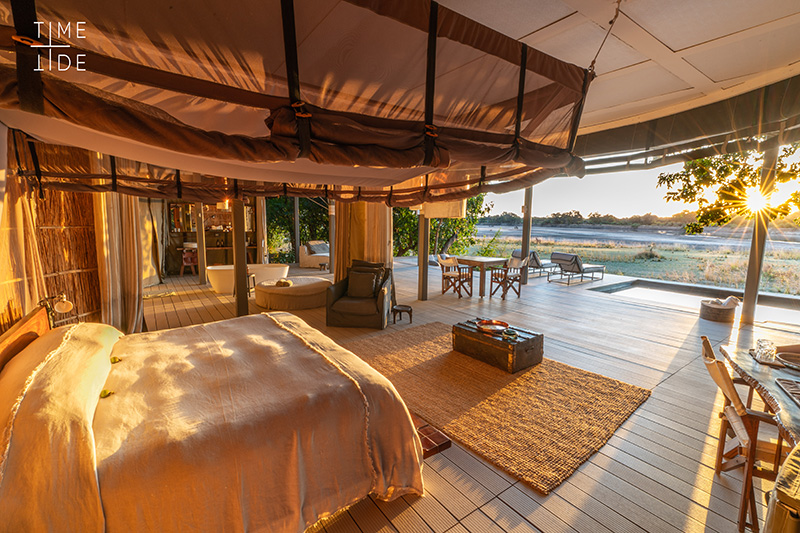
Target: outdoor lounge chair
x=508, y=277
x=571, y=266
x=535, y=263
x=739, y=444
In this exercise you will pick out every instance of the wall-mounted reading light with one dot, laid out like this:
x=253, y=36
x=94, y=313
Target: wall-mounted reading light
x=56, y=304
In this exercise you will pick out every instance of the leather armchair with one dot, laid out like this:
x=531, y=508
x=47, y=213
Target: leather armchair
x=342, y=310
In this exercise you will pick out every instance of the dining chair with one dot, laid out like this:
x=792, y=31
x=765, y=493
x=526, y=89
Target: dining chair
x=508, y=277
x=455, y=276
x=738, y=438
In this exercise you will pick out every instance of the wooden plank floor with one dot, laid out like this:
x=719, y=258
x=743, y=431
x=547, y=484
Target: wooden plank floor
x=655, y=474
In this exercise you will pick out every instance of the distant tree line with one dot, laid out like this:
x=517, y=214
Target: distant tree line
x=576, y=218
x=448, y=235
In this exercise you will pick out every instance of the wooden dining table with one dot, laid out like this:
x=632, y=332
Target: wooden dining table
x=481, y=262
x=762, y=378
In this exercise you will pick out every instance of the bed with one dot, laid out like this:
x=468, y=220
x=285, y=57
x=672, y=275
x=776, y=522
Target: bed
x=258, y=423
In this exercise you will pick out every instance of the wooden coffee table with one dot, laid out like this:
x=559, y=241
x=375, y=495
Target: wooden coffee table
x=511, y=355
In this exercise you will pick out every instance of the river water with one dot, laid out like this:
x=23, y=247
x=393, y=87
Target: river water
x=732, y=238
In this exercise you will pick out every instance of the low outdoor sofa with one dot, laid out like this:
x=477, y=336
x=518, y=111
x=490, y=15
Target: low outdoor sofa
x=313, y=254
x=570, y=266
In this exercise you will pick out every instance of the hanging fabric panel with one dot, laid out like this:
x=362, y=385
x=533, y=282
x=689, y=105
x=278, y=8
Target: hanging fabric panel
x=21, y=271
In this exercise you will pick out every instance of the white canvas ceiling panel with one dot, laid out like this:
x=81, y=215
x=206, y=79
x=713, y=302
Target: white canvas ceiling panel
x=511, y=17
x=763, y=51
x=681, y=24
x=579, y=44
x=348, y=62
x=634, y=110
x=642, y=82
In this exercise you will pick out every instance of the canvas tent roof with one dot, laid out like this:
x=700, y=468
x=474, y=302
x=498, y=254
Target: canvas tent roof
x=197, y=85
x=755, y=120
x=352, y=93
x=672, y=76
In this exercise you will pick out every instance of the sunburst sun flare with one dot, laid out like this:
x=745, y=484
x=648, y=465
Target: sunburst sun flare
x=755, y=200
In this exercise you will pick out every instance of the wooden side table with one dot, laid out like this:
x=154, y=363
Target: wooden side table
x=399, y=310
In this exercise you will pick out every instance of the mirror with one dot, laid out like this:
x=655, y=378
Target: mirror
x=180, y=218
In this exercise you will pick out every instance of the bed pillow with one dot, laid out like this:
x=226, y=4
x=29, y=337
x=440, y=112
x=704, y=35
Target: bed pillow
x=381, y=273
x=47, y=455
x=361, y=284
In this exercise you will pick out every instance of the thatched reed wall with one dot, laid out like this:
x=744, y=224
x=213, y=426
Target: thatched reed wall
x=12, y=310
x=66, y=234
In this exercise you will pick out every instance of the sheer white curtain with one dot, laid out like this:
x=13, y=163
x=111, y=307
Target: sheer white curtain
x=119, y=259
x=363, y=231
x=21, y=274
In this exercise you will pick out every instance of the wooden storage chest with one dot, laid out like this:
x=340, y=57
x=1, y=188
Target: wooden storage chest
x=511, y=355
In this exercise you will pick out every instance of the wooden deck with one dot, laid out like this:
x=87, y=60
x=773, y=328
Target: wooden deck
x=655, y=474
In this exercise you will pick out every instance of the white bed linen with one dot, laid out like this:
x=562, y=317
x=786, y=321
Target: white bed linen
x=259, y=423
x=47, y=453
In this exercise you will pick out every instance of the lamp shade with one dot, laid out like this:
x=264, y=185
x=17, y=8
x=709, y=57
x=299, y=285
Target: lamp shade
x=63, y=306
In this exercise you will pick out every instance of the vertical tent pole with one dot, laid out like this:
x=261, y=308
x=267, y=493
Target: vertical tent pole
x=526, y=210
x=526, y=230
x=297, y=229
x=261, y=230
x=199, y=221
x=331, y=234
x=758, y=244
x=423, y=247
x=240, y=259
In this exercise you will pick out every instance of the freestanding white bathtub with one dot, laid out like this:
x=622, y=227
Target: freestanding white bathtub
x=268, y=271
x=222, y=280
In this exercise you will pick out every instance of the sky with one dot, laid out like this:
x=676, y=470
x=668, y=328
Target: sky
x=620, y=194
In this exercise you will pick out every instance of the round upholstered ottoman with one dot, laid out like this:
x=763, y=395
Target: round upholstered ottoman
x=306, y=292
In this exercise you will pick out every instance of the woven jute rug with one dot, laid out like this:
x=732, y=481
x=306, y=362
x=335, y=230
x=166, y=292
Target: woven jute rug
x=539, y=425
